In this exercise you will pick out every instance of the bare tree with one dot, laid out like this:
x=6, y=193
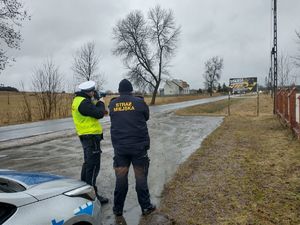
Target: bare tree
x=268, y=84
x=284, y=70
x=25, y=109
x=297, y=57
x=85, y=65
x=147, y=46
x=213, y=70
x=11, y=16
x=46, y=83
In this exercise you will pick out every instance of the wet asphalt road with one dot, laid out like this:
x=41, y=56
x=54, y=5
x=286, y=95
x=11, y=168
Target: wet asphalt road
x=173, y=139
x=51, y=126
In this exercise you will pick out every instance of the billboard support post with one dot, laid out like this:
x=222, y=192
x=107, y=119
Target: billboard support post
x=257, y=105
x=228, y=103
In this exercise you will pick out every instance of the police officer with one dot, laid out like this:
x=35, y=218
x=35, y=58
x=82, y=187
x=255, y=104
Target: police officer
x=86, y=114
x=130, y=139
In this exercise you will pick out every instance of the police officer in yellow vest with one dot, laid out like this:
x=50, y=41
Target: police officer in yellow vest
x=87, y=109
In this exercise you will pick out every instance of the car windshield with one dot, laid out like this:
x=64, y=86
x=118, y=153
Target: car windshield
x=9, y=186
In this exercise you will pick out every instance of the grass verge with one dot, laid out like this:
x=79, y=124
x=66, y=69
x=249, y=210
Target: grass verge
x=161, y=100
x=218, y=108
x=246, y=172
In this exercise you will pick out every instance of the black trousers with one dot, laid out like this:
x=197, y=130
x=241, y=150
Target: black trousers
x=92, y=156
x=140, y=162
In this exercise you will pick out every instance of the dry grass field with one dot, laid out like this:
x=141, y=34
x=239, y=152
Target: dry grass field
x=243, y=106
x=14, y=109
x=246, y=172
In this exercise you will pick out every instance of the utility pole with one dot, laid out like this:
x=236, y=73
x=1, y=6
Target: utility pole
x=270, y=80
x=274, y=54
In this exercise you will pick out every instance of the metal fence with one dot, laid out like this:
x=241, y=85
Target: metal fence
x=288, y=109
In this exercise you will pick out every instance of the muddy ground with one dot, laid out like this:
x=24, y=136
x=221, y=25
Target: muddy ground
x=173, y=139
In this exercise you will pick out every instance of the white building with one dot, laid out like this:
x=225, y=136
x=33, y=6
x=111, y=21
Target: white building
x=176, y=87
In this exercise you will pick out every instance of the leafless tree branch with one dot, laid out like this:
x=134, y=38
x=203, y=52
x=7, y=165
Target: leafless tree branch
x=11, y=16
x=85, y=65
x=213, y=70
x=297, y=57
x=284, y=70
x=46, y=82
x=147, y=45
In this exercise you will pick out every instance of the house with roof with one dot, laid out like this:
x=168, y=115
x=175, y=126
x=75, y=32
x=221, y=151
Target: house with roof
x=176, y=87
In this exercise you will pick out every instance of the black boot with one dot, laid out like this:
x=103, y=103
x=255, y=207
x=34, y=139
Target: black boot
x=148, y=210
x=101, y=199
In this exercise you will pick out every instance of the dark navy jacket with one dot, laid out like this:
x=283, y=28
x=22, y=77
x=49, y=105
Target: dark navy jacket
x=129, y=132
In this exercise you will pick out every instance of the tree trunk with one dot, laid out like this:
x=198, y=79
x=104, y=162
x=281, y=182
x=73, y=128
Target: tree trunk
x=154, y=94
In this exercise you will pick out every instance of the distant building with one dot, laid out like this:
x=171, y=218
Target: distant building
x=161, y=91
x=194, y=91
x=176, y=87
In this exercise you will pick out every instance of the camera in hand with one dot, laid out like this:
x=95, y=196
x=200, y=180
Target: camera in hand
x=99, y=94
x=102, y=94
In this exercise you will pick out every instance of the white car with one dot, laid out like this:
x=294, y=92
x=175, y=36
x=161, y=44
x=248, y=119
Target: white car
x=28, y=198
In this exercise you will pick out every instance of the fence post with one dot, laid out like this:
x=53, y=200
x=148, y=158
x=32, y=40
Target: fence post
x=292, y=108
x=229, y=103
x=299, y=113
x=278, y=101
x=257, y=104
x=297, y=127
x=281, y=103
x=286, y=105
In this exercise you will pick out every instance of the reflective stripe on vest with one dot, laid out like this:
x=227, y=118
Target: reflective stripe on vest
x=84, y=124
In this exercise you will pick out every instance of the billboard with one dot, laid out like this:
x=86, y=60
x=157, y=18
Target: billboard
x=243, y=85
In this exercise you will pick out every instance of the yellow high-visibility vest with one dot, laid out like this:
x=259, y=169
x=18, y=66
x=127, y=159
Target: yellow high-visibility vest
x=84, y=124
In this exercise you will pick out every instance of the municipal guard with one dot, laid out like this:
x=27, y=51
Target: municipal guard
x=87, y=109
x=130, y=139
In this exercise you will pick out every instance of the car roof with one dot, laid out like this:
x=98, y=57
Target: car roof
x=29, y=178
x=39, y=185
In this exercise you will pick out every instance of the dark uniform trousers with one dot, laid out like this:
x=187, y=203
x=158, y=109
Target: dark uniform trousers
x=92, y=155
x=140, y=162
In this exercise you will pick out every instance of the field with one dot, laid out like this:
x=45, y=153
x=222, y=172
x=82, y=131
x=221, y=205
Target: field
x=19, y=108
x=23, y=107
x=243, y=106
x=172, y=99
x=246, y=172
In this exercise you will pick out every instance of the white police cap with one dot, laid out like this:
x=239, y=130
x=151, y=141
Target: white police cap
x=87, y=86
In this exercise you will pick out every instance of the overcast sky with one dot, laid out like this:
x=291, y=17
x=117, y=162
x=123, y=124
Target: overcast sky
x=237, y=30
